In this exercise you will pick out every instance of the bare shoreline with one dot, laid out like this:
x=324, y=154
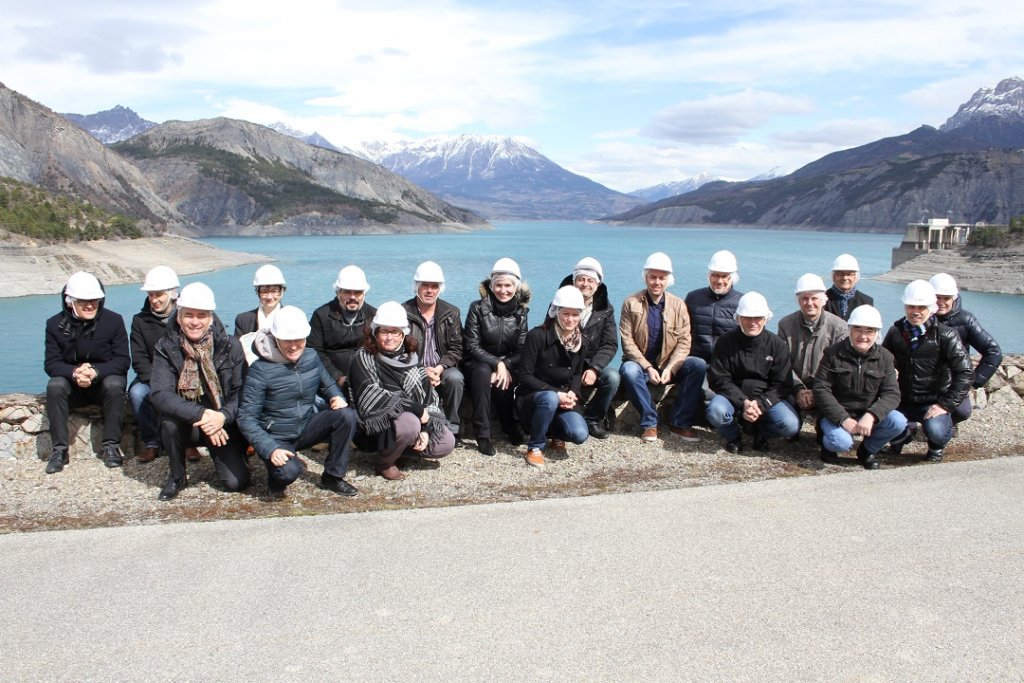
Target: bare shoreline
x=989, y=270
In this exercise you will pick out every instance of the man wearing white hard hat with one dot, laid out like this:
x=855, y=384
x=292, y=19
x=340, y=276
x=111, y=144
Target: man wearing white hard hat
x=436, y=325
x=148, y=326
x=196, y=384
x=655, y=330
x=843, y=295
x=336, y=327
x=597, y=323
x=751, y=376
x=279, y=413
x=934, y=370
x=807, y=332
x=856, y=391
x=951, y=313
x=270, y=285
x=87, y=359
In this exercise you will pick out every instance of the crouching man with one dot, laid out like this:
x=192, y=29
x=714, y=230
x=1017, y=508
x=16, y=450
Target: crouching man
x=195, y=386
x=856, y=391
x=279, y=415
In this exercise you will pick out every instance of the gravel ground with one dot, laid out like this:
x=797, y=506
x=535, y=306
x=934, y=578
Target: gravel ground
x=87, y=494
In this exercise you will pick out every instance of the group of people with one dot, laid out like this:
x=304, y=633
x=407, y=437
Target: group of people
x=391, y=379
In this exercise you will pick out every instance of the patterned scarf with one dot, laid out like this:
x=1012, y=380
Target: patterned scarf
x=570, y=340
x=198, y=371
x=914, y=334
x=844, y=299
x=394, y=381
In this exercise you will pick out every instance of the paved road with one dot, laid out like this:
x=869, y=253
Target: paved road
x=908, y=574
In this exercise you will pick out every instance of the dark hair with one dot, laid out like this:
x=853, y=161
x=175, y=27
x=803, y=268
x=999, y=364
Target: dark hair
x=370, y=342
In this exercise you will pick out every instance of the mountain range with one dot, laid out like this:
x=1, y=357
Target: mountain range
x=970, y=169
x=111, y=125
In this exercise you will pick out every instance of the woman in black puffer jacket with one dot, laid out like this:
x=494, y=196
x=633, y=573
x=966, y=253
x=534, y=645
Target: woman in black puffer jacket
x=496, y=326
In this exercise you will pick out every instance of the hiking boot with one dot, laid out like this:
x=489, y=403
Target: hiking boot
x=58, y=459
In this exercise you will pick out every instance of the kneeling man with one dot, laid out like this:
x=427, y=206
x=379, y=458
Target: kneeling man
x=195, y=386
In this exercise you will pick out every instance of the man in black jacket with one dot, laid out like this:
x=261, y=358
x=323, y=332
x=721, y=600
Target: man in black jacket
x=436, y=325
x=87, y=360
x=600, y=331
x=336, y=328
x=935, y=371
x=148, y=326
x=196, y=384
x=751, y=376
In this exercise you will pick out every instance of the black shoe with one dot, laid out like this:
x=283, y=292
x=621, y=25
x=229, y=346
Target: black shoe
x=339, y=486
x=112, y=456
x=761, y=444
x=734, y=446
x=829, y=457
x=897, y=444
x=597, y=430
x=459, y=443
x=485, y=446
x=514, y=436
x=171, y=488
x=933, y=455
x=57, y=461
x=867, y=460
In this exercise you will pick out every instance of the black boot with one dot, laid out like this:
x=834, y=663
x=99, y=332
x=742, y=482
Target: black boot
x=829, y=457
x=58, y=459
x=172, y=487
x=933, y=454
x=867, y=460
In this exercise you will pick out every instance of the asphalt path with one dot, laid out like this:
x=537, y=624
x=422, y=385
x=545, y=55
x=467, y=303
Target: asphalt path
x=914, y=573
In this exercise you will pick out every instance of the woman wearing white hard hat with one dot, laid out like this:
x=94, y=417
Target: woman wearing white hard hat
x=550, y=378
x=280, y=415
x=496, y=326
x=950, y=313
x=751, y=376
x=87, y=359
x=843, y=295
x=148, y=326
x=270, y=285
x=196, y=385
x=856, y=392
x=400, y=414
x=935, y=372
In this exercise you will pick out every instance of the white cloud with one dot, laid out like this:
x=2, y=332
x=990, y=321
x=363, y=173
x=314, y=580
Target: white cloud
x=721, y=119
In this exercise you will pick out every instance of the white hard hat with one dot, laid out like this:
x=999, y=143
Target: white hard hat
x=919, y=293
x=865, y=316
x=83, y=285
x=391, y=314
x=506, y=266
x=809, y=282
x=659, y=260
x=944, y=284
x=428, y=271
x=753, y=305
x=160, y=279
x=289, y=323
x=268, y=275
x=568, y=297
x=197, y=295
x=846, y=262
x=723, y=261
x=353, y=279
x=586, y=266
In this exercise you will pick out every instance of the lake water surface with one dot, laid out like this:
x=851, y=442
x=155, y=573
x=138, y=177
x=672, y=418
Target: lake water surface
x=770, y=262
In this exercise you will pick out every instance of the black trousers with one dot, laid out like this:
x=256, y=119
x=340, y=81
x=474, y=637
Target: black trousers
x=483, y=395
x=337, y=427
x=229, y=459
x=108, y=392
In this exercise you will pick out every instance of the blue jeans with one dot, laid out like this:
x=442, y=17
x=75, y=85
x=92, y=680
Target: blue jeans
x=545, y=417
x=638, y=391
x=604, y=392
x=938, y=430
x=145, y=417
x=690, y=394
x=837, y=439
x=780, y=420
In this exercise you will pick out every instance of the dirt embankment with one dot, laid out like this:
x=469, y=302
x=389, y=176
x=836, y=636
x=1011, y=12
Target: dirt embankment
x=985, y=270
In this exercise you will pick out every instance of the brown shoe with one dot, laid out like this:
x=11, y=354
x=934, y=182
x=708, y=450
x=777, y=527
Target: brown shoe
x=650, y=435
x=193, y=454
x=391, y=473
x=685, y=433
x=534, y=457
x=556, y=444
x=148, y=454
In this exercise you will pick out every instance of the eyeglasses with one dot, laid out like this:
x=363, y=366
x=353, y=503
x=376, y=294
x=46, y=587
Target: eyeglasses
x=381, y=332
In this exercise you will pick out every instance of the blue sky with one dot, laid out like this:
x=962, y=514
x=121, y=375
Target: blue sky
x=629, y=94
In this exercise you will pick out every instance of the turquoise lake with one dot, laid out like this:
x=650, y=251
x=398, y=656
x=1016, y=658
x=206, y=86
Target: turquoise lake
x=770, y=262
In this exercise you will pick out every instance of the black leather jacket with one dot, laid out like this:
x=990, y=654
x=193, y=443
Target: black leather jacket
x=972, y=334
x=938, y=371
x=447, y=330
x=490, y=338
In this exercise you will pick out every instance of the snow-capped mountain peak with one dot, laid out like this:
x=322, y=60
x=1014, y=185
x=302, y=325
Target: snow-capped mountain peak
x=1005, y=101
x=314, y=138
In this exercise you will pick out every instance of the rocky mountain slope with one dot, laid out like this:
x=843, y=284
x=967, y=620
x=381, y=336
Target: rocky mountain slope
x=40, y=147
x=112, y=125
x=235, y=177
x=499, y=178
x=972, y=169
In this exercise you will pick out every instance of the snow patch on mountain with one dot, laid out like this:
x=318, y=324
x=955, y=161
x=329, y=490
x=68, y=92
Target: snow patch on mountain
x=1005, y=101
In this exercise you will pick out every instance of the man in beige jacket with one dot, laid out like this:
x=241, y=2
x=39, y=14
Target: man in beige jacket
x=655, y=331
